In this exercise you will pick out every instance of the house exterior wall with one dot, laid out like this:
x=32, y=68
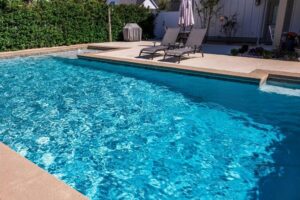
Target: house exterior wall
x=251, y=19
x=163, y=20
x=295, y=19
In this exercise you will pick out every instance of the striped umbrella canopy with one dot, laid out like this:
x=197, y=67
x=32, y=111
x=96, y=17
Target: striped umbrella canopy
x=186, y=17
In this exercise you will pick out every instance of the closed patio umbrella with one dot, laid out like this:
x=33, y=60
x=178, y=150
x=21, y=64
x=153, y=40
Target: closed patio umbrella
x=186, y=15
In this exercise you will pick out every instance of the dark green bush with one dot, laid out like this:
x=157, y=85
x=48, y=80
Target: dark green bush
x=65, y=22
x=234, y=52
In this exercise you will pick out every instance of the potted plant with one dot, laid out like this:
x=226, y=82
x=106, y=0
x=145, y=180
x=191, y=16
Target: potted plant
x=297, y=48
x=290, y=42
x=229, y=26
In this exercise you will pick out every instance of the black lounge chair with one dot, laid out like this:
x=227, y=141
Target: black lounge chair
x=193, y=44
x=168, y=41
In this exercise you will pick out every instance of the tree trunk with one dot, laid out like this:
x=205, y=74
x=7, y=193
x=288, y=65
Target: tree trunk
x=208, y=25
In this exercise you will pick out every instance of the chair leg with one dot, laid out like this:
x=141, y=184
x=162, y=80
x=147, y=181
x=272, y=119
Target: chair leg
x=152, y=56
x=165, y=56
x=201, y=50
x=179, y=59
x=140, y=53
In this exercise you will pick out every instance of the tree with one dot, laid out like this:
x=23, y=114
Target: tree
x=169, y=5
x=162, y=4
x=206, y=9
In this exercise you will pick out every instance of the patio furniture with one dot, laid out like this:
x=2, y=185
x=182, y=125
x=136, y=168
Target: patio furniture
x=194, y=43
x=168, y=42
x=132, y=32
x=183, y=36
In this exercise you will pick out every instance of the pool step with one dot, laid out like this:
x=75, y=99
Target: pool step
x=284, y=79
x=289, y=82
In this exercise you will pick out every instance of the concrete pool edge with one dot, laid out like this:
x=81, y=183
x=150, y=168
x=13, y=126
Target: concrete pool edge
x=41, y=51
x=257, y=76
x=57, y=49
x=172, y=67
x=22, y=179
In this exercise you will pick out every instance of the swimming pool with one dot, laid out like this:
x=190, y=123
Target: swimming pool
x=117, y=132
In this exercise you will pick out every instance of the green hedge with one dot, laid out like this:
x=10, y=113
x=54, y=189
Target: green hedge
x=64, y=22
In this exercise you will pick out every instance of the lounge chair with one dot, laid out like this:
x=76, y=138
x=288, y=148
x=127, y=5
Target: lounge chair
x=168, y=41
x=193, y=44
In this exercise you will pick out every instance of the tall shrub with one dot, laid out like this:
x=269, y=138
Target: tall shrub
x=64, y=22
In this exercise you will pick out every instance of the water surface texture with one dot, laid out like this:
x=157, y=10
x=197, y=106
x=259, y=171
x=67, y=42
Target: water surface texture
x=118, y=132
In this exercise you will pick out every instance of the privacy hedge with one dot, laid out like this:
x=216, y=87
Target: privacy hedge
x=64, y=22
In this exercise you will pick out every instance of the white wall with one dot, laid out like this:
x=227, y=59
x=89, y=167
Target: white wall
x=295, y=19
x=250, y=18
x=164, y=20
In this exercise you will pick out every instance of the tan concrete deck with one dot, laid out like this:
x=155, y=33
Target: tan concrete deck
x=211, y=63
x=22, y=180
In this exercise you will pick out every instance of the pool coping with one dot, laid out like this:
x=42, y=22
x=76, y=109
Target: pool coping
x=258, y=77
x=49, y=50
x=42, y=51
x=22, y=179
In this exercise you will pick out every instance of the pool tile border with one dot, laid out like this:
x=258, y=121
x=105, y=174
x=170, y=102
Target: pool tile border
x=258, y=76
x=251, y=78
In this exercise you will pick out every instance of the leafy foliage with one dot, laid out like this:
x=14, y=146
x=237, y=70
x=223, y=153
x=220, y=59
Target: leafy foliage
x=65, y=22
x=169, y=5
x=206, y=9
x=229, y=25
x=162, y=4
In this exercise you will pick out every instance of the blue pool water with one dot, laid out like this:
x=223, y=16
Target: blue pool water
x=117, y=132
